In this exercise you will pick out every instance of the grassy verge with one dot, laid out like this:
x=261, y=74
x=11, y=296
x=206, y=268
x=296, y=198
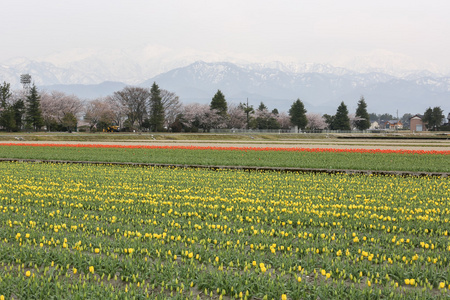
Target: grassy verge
x=268, y=158
x=128, y=136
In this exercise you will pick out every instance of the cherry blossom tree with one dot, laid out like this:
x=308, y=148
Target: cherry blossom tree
x=200, y=116
x=191, y=115
x=315, y=121
x=264, y=119
x=355, y=121
x=237, y=118
x=55, y=105
x=284, y=120
x=100, y=113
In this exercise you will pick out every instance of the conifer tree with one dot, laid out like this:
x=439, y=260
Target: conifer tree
x=5, y=94
x=156, y=109
x=262, y=106
x=361, y=113
x=219, y=103
x=19, y=111
x=341, y=120
x=433, y=117
x=6, y=112
x=297, y=112
x=34, y=119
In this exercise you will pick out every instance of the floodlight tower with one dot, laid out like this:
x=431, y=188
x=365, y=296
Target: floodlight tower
x=25, y=80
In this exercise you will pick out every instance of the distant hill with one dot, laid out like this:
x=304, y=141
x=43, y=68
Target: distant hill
x=320, y=87
x=321, y=92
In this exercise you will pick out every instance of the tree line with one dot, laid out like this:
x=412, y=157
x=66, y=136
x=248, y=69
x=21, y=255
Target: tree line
x=157, y=110
x=19, y=110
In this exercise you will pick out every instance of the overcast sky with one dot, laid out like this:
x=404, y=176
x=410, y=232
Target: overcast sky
x=307, y=31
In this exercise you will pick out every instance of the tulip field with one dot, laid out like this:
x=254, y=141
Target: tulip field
x=328, y=158
x=93, y=231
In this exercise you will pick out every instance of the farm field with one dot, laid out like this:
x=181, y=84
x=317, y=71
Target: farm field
x=404, y=137
x=99, y=231
x=288, y=157
x=77, y=231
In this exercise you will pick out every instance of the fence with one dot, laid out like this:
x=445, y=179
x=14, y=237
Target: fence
x=293, y=131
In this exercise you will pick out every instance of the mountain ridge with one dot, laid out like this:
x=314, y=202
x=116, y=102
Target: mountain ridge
x=321, y=92
x=320, y=86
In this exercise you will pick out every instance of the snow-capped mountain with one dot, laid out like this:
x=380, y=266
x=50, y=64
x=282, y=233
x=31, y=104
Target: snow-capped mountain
x=294, y=67
x=44, y=73
x=132, y=66
x=320, y=91
x=395, y=64
x=89, y=66
x=320, y=86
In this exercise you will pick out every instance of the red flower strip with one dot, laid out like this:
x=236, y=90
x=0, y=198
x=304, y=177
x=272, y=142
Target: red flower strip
x=400, y=151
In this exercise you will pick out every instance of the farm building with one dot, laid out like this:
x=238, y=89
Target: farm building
x=393, y=124
x=416, y=123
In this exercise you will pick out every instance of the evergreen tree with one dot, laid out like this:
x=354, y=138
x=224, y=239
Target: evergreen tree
x=265, y=119
x=363, y=115
x=5, y=94
x=329, y=120
x=6, y=114
x=219, y=103
x=373, y=117
x=262, y=107
x=272, y=123
x=297, y=112
x=438, y=116
x=7, y=120
x=385, y=117
x=341, y=120
x=428, y=116
x=406, y=120
x=156, y=109
x=433, y=118
x=34, y=117
x=19, y=111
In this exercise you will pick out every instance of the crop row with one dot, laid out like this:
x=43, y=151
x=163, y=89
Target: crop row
x=78, y=231
x=358, y=159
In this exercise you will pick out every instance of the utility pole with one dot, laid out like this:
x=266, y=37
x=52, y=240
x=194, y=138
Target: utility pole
x=396, y=127
x=248, y=114
x=247, y=110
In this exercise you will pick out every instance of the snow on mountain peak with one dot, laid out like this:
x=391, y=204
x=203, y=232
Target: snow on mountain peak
x=388, y=62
